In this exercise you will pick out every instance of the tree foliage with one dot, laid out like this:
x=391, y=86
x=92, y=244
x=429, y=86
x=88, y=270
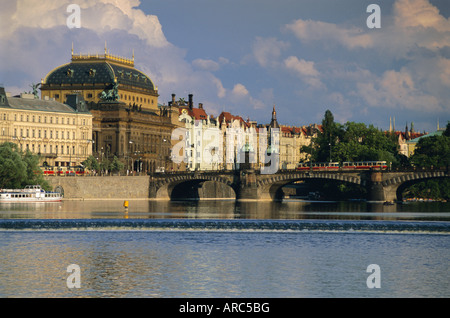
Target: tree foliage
x=116, y=165
x=430, y=189
x=106, y=165
x=18, y=169
x=351, y=142
x=433, y=151
x=91, y=163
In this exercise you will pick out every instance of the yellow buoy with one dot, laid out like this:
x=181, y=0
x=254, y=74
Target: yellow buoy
x=125, y=204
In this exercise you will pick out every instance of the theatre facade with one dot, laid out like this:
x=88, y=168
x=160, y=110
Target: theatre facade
x=127, y=121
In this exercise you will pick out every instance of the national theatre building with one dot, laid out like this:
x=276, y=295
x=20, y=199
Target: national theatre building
x=127, y=121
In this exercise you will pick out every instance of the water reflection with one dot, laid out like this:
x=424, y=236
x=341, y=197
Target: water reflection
x=221, y=264
x=228, y=209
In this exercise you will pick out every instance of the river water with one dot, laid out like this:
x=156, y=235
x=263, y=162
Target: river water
x=212, y=249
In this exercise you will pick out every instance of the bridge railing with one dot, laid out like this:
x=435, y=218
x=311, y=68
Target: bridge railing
x=257, y=171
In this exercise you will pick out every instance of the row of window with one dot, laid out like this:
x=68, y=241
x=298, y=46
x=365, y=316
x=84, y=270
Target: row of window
x=43, y=134
x=136, y=99
x=58, y=149
x=29, y=195
x=35, y=118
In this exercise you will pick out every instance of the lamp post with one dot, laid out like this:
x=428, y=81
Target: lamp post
x=162, y=162
x=128, y=161
x=329, y=144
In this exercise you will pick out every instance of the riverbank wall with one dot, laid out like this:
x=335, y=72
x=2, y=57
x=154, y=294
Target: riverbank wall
x=107, y=187
x=126, y=187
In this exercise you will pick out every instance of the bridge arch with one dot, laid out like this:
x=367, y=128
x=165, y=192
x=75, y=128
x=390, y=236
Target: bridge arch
x=187, y=186
x=395, y=186
x=271, y=187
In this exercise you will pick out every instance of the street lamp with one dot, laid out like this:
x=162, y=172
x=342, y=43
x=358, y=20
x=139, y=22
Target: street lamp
x=128, y=161
x=330, y=150
x=162, y=161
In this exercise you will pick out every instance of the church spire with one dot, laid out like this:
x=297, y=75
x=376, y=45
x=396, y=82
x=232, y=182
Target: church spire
x=274, y=122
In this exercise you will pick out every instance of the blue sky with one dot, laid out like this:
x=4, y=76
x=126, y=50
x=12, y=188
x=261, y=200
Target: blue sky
x=244, y=56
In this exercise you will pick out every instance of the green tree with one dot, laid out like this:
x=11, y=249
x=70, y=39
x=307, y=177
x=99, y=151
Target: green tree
x=351, y=142
x=34, y=172
x=433, y=151
x=18, y=169
x=91, y=163
x=430, y=189
x=364, y=143
x=105, y=165
x=325, y=140
x=116, y=165
x=447, y=130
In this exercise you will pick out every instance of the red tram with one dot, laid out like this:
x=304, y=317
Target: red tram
x=331, y=166
x=59, y=171
x=319, y=166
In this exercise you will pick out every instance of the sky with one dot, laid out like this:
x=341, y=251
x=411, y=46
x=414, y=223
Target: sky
x=246, y=56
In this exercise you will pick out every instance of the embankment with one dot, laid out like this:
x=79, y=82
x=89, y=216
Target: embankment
x=110, y=187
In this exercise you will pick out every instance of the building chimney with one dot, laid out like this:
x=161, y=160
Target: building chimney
x=200, y=105
x=191, y=101
x=173, y=99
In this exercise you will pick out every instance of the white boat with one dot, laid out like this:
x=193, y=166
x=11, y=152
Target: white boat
x=31, y=193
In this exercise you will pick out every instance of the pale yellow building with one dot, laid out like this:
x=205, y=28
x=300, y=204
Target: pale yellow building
x=292, y=139
x=60, y=134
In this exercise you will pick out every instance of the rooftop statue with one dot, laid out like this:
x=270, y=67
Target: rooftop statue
x=34, y=90
x=111, y=94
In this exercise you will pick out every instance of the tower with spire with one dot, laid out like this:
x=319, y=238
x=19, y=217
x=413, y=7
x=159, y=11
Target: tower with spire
x=274, y=122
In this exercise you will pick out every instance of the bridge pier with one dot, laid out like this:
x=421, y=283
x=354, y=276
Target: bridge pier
x=376, y=192
x=160, y=193
x=375, y=187
x=247, y=188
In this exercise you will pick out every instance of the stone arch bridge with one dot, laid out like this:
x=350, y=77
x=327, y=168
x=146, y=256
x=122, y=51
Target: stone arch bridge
x=251, y=185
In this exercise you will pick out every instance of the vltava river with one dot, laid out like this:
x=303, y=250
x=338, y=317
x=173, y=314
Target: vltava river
x=224, y=249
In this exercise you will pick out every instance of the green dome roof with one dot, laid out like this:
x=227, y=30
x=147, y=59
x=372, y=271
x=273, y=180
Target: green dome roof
x=98, y=72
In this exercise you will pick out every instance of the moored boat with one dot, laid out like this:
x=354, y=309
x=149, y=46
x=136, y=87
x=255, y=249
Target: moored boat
x=31, y=193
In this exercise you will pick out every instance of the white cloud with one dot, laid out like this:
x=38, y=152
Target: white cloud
x=221, y=91
x=206, y=65
x=239, y=90
x=302, y=67
x=35, y=39
x=242, y=97
x=396, y=89
x=413, y=13
x=324, y=32
x=398, y=68
x=266, y=51
x=305, y=70
x=101, y=16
